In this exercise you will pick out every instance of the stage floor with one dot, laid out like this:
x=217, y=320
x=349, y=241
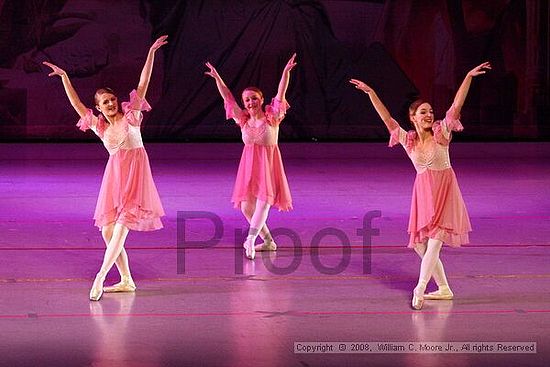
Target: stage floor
x=207, y=305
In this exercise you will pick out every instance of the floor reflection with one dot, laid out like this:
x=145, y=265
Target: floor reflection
x=259, y=299
x=111, y=317
x=431, y=325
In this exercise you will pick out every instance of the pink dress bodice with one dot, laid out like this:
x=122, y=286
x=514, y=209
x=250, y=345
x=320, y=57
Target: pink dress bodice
x=126, y=133
x=121, y=136
x=433, y=156
x=266, y=134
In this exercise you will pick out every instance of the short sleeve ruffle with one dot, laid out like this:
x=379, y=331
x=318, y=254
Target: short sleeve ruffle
x=89, y=121
x=452, y=120
x=133, y=108
x=276, y=111
x=405, y=138
x=231, y=113
x=85, y=123
x=136, y=103
x=441, y=135
x=442, y=129
x=395, y=135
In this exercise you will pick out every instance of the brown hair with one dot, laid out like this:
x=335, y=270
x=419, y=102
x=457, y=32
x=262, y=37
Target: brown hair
x=101, y=91
x=254, y=89
x=414, y=106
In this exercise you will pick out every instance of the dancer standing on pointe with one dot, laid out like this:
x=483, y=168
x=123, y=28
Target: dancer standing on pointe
x=261, y=181
x=438, y=214
x=128, y=198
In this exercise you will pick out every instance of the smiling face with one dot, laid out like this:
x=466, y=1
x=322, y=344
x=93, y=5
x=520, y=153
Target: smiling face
x=106, y=103
x=422, y=117
x=253, y=100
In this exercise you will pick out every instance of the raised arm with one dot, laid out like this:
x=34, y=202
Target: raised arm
x=377, y=103
x=69, y=90
x=285, y=78
x=232, y=108
x=148, y=67
x=222, y=88
x=465, y=86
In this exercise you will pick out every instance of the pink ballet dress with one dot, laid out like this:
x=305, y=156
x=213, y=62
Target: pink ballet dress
x=437, y=207
x=128, y=194
x=261, y=174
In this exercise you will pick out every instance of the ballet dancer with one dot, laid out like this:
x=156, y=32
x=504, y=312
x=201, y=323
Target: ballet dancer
x=261, y=180
x=128, y=198
x=438, y=214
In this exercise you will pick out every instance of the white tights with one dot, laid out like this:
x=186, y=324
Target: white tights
x=115, y=236
x=122, y=259
x=431, y=265
x=256, y=215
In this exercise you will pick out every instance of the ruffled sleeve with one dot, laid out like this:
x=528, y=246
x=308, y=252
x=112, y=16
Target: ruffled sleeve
x=276, y=111
x=233, y=112
x=85, y=123
x=132, y=109
x=136, y=103
x=442, y=129
x=405, y=138
x=399, y=136
x=441, y=135
x=396, y=137
x=90, y=121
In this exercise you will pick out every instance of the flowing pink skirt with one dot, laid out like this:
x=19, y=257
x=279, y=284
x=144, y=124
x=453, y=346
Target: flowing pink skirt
x=261, y=175
x=438, y=210
x=128, y=194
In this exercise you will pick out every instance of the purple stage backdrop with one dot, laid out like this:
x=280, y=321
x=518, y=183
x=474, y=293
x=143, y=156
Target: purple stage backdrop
x=401, y=47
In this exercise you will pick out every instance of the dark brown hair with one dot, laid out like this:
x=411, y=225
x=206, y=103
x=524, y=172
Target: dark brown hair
x=414, y=106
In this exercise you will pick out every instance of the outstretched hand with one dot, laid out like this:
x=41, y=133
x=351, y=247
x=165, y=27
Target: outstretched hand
x=161, y=41
x=291, y=63
x=480, y=69
x=361, y=86
x=213, y=72
x=56, y=70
